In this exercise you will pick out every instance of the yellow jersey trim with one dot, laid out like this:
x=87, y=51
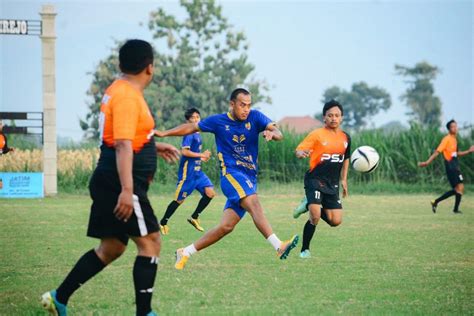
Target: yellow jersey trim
x=230, y=116
x=236, y=185
x=180, y=184
x=223, y=167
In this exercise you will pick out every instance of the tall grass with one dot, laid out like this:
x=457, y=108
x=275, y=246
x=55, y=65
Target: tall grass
x=74, y=166
x=399, y=154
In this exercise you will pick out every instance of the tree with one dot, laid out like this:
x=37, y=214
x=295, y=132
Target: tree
x=105, y=73
x=424, y=105
x=360, y=103
x=201, y=61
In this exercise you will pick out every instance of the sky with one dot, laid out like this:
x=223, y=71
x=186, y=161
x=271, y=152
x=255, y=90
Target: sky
x=300, y=48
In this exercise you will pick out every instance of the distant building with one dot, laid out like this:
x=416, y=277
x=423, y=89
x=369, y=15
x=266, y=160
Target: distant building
x=299, y=124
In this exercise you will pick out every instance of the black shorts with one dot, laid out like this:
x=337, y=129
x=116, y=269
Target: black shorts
x=105, y=189
x=454, y=176
x=321, y=193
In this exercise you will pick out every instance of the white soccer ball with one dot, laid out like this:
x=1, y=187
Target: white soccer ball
x=365, y=159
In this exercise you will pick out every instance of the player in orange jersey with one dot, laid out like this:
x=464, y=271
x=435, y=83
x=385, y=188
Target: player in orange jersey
x=329, y=151
x=449, y=148
x=4, y=143
x=120, y=207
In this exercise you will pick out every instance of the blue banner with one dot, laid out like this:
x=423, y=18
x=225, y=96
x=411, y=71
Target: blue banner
x=21, y=185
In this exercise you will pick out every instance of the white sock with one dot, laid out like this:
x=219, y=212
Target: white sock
x=274, y=241
x=189, y=250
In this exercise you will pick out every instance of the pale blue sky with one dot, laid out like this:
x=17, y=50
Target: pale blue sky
x=300, y=48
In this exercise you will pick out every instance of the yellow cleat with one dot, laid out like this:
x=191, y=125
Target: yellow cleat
x=286, y=247
x=181, y=259
x=164, y=229
x=196, y=223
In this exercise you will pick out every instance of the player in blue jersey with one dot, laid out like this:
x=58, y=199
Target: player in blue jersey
x=190, y=176
x=236, y=134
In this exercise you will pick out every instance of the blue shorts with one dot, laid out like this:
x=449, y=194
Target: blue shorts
x=185, y=188
x=235, y=187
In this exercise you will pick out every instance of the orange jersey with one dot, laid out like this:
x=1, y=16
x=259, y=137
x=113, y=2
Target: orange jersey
x=449, y=147
x=4, y=144
x=3, y=141
x=125, y=115
x=329, y=150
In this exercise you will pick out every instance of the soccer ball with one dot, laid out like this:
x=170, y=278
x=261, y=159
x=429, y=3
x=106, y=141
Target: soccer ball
x=365, y=159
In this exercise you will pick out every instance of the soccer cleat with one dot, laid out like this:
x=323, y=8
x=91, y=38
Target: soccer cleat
x=458, y=212
x=181, y=259
x=196, y=223
x=305, y=254
x=433, y=206
x=286, y=247
x=301, y=208
x=164, y=229
x=152, y=313
x=51, y=304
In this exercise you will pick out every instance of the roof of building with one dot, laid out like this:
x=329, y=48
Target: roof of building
x=299, y=124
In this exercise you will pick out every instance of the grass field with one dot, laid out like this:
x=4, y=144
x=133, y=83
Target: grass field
x=390, y=256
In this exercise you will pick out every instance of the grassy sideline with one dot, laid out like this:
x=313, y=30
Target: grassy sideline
x=390, y=256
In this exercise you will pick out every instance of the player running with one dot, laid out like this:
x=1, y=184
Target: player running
x=190, y=176
x=449, y=148
x=236, y=134
x=120, y=207
x=329, y=151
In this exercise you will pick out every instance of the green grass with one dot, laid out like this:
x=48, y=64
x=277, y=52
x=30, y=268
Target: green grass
x=390, y=256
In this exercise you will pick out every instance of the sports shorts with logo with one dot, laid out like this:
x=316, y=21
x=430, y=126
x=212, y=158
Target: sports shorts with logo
x=199, y=181
x=105, y=188
x=235, y=186
x=322, y=193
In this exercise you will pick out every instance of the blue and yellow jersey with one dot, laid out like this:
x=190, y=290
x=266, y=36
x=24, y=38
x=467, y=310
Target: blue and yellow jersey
x=236, y=141
x=189, y=166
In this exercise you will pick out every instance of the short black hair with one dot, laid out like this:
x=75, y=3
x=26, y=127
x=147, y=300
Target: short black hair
x=330, y=104
x=189, y=112
x=236, y=92
x=448, y=125
x=134, y=56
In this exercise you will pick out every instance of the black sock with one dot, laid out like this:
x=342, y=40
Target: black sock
x=445, y=196
x=308, y=232
x=144, y=274
x=169, y=212
x=457, y=202
x=324, y=217
x=203, y=202
x=86, y=267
